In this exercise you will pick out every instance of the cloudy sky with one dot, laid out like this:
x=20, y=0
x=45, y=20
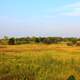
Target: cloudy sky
x=40, y=18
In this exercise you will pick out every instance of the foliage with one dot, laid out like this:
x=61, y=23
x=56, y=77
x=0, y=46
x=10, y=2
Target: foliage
x=45, y=40
x=11, y=41
x=70, y=44
x=78, y=43
x=71, y=78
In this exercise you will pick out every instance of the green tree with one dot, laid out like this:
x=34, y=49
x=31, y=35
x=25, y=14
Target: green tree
x=12, y=41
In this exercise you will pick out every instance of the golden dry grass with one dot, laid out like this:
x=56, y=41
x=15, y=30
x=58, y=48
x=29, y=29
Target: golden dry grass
x=60, y=61
x=38, y=47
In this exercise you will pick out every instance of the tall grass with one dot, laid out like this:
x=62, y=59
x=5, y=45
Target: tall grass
x=39, y=65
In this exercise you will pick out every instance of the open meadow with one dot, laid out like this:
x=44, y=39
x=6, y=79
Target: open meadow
x=39, y=39
x=39, y=62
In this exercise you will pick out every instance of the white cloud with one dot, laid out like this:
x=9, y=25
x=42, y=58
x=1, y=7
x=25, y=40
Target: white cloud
x=71, y=14
x=74, y=5
x=71, y=10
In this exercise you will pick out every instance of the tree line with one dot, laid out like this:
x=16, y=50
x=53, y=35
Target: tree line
x=45, y=40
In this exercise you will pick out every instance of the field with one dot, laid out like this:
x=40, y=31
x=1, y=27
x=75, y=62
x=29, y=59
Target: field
x=39, y=62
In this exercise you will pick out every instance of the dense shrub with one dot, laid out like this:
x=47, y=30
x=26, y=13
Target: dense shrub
x=70, y=44
x=11, y=41
x=71, y=78
x=78, y=44
x=46, y=40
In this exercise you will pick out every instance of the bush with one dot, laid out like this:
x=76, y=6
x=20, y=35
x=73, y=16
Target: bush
x=11, y=41
x=71, y=78
x=47, y=41
x=78, y=44
x=70, y=44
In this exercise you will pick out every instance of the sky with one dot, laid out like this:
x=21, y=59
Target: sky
x=40, y=18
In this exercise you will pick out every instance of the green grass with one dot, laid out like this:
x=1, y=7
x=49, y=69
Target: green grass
x=39, y=65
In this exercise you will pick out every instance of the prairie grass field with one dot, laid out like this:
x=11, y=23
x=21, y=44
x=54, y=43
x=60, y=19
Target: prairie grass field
x=39, y=62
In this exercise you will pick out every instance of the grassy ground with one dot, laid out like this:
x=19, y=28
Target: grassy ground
x=39, y=62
